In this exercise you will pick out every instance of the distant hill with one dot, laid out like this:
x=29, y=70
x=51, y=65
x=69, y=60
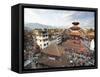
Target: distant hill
x=30, y=26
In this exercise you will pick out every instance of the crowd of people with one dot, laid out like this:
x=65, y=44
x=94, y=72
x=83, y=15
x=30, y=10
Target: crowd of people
x=76, y=59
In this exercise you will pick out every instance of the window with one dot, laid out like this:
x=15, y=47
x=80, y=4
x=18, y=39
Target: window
x=41, y=45
x=46, y=35
x=44, y=44
x=43, y=35
x=44, y=40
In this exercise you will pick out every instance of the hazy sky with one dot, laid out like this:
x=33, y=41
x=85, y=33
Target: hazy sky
x=59, y=18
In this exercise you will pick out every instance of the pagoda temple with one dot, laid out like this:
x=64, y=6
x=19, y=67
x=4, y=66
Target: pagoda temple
x=76, y=31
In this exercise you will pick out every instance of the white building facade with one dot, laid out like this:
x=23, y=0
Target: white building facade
x=92, y=45
x=42, y=38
